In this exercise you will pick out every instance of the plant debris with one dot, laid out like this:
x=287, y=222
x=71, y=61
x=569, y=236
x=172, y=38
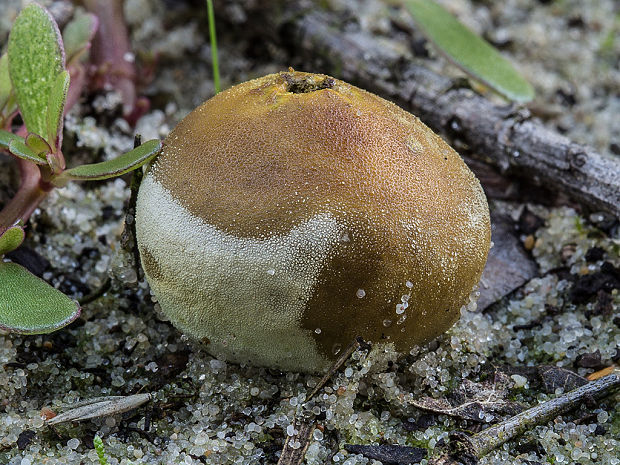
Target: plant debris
x=389, y=454
x=101, y=407
x=479, y=402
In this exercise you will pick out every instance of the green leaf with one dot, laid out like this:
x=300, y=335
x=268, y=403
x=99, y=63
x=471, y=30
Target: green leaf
x=36, y=57
x=38, y=145
x=21, y=150
x=7, y=97
x=29, y=305
x=108, y=169
x=468, y=51
x=11, y=239
x=6, y=137
x=78, y=33
x=55, y=110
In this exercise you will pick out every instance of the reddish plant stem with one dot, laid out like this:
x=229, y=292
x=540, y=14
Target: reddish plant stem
x=32, y=190
x=110, y=54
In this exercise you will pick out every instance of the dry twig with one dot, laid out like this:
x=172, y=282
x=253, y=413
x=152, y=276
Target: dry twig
x=470, y=449
x=295, y=447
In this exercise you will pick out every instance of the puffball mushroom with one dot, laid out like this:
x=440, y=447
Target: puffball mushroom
x=292, y=213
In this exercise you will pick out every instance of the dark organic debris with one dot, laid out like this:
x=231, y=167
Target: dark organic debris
x=508, y=266
x=424, y=421
x=531, y=446
x=529, y=222
x=25, y=438
x=604, y=221
x=545, y=377
x=171, y=364
x=587, y=286
x=556, y=377
x=604, y=304
x=590, y=360
x=29, y=259
x=389, y=454
x=594, y=254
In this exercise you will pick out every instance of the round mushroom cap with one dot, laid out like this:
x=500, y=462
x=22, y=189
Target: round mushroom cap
x=292, y=213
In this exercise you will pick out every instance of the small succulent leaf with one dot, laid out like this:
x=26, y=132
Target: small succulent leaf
x=78, y=33
x=118, y=166
x=38, y=145
x=55, y=110
x=21, y=150
x=29, y=305
x=7, y=97
x=468, y=51
x=11, y=239
x=54, y=162
x=36, y=57
x=6, y=137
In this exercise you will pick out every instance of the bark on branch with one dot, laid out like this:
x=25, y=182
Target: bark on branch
x=503, y=135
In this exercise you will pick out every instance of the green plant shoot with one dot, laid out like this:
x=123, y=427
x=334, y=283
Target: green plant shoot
x=35, y=79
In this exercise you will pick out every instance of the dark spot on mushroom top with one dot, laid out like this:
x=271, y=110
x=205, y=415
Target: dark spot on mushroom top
x=304, y=83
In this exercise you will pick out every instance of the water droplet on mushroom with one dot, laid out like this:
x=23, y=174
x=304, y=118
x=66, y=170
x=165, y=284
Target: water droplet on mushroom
x=271, y=271
x=318, y=330
x=360, y=293
x=387, y=323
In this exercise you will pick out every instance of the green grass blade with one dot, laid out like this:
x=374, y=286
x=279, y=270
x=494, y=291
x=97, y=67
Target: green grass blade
x=36, y=57
x=213, y=41
x=29, y=305
x=108, y=169
x=469, y=51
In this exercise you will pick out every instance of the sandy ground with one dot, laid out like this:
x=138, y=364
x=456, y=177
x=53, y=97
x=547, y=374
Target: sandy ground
x=207, y=411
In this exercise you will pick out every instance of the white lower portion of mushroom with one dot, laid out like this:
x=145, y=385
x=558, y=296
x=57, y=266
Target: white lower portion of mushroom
x=246, y=296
